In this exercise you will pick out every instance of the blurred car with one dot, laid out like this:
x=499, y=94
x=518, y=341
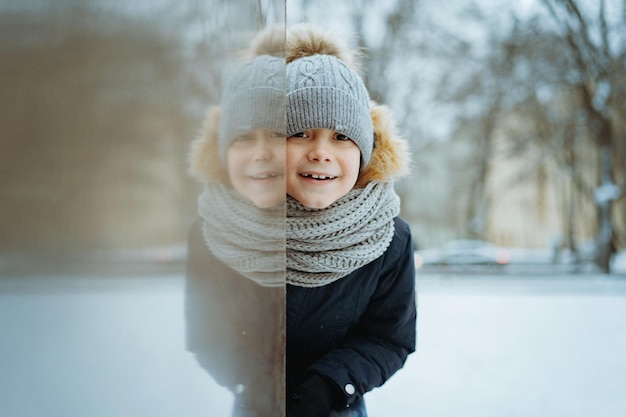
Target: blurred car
x=426, y=257
x=463, y=252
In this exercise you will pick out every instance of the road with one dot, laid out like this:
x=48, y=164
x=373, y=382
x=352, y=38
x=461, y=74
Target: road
x=488, y=345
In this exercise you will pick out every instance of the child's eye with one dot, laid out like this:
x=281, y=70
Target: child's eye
x=243, y=138
x=342, y=137
x=299, y=135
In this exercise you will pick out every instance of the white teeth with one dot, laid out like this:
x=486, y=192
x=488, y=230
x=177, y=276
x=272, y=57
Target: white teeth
x=319, y=177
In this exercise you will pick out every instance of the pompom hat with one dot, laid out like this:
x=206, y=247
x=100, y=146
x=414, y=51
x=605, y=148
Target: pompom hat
x=254, y=98
x=324, y=92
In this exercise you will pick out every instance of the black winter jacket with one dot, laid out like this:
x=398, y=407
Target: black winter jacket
x=235, y=328
x=358, y=330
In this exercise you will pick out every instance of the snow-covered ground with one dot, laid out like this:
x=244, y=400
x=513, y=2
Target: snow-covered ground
x=535, y=347
x=100, y=347
x=494, y=346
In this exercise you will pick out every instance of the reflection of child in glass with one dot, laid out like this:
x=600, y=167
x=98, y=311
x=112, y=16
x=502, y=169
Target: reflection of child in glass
x=351, y=316
x=235, y=292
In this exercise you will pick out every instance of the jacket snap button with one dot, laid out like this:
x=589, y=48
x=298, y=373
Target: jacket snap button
x=349, y=389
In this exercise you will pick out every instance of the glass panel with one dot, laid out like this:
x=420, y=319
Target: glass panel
x=235, y=286
x=101, y=104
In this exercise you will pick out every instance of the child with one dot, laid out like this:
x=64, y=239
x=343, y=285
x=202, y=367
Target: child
x=235, y=288
x=351, y=316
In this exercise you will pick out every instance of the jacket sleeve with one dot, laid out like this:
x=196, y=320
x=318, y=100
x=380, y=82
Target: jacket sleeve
x=386, y=333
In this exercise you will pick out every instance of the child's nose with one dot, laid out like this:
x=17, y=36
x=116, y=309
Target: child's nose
x=320, y=147
x=319, y=152
x=262, y=149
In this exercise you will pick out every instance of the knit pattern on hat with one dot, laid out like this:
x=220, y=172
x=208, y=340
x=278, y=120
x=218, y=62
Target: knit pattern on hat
x=323, y=92
x=325, y=245
x=254, y=98
x=248, y=239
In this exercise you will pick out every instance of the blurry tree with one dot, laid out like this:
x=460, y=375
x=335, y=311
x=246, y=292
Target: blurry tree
x=553, y=84
x=595, y=46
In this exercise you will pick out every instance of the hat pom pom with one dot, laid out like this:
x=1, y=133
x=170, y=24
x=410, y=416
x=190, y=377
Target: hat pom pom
x=306, y=40
x=270, y=41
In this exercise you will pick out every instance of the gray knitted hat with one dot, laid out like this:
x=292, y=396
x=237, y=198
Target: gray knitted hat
x=323, y=92
x=254, y=98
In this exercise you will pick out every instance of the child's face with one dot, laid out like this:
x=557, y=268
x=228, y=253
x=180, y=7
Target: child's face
x=322, y=167
x=256, y=167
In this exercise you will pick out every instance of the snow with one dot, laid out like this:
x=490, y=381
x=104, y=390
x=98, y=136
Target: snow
x=514, y=348
x=100, y=347
x=618, y=263
x=606, y=193
x=543, y=346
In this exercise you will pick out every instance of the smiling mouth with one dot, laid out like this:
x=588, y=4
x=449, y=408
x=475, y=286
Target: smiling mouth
x=318, y=177
x=264, y=176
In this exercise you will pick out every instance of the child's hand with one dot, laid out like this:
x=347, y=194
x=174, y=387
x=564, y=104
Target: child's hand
x=315, y=397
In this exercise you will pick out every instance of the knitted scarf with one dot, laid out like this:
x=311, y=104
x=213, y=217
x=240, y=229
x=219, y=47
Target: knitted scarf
x=324, y=245
x=248, y=239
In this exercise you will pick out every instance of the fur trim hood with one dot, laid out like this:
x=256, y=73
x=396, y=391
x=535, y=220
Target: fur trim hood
x=390, y=157
x=204, y=162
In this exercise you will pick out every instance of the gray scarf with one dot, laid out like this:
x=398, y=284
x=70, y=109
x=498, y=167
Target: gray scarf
x=248, y=239
x=324, y=245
